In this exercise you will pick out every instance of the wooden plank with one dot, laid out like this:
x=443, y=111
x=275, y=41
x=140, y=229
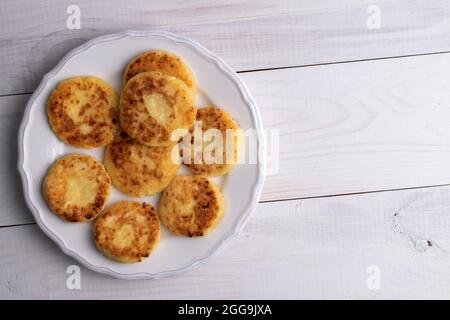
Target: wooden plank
x=343, y=128
x=357, y=127
x=247, y=34
x=14, y=210
x=313, y=248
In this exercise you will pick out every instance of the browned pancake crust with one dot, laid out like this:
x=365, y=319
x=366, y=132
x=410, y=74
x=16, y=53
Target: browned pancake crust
x=191, y=206
x=127, y=231
x=138, y=170
x=83, y=112
x=77, y=187
x=162, y=61
x=216, y=118
x=153, y=105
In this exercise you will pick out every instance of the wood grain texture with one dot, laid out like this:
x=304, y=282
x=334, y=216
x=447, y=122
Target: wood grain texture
x=247, y=34
x=14, y=210
x=367, y=126
x=357, y=127
x=313, y=248
x=344, y=128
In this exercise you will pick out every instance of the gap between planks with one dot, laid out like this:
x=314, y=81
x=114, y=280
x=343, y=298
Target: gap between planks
x=296, y=199
x=247, y=35
x=300, y=66
x=327, y=246
x=371, y=126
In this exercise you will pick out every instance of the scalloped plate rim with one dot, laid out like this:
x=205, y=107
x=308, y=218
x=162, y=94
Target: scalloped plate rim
x=247, y=99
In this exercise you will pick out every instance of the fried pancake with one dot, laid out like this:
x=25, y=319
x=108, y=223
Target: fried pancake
x=77, y=187
x=153, y=105
x=162, y=61
x=191, y=206
x=83, y=112
x=139, y=170
x=127, y=231
x=215, y=118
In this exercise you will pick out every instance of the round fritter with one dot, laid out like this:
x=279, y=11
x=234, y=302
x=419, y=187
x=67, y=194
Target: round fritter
x=153, y=105
x=138, y=170
x=191, y=206
x=207, y=162
x=127, y=231
x=77, y=187
x=162, y=61
x=83, y=112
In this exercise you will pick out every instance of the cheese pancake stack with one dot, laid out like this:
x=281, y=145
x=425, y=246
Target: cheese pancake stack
x=141, y=156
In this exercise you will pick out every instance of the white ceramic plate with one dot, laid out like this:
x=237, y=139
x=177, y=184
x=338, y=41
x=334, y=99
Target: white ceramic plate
x=107, y=57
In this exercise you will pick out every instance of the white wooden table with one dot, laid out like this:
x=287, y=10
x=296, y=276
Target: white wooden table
x=360, y=206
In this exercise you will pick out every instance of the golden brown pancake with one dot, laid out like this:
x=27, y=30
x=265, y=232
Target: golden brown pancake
x=139, y=170
x=161, y=61
x=83, y=112
x=77, y=187
x=127, y=231
x=215, y=118
x=191, y=206
x=153, y=106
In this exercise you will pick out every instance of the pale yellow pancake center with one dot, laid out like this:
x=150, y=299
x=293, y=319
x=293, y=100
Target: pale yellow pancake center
x=124, y=236
x=158, y=108
x=81, y=190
